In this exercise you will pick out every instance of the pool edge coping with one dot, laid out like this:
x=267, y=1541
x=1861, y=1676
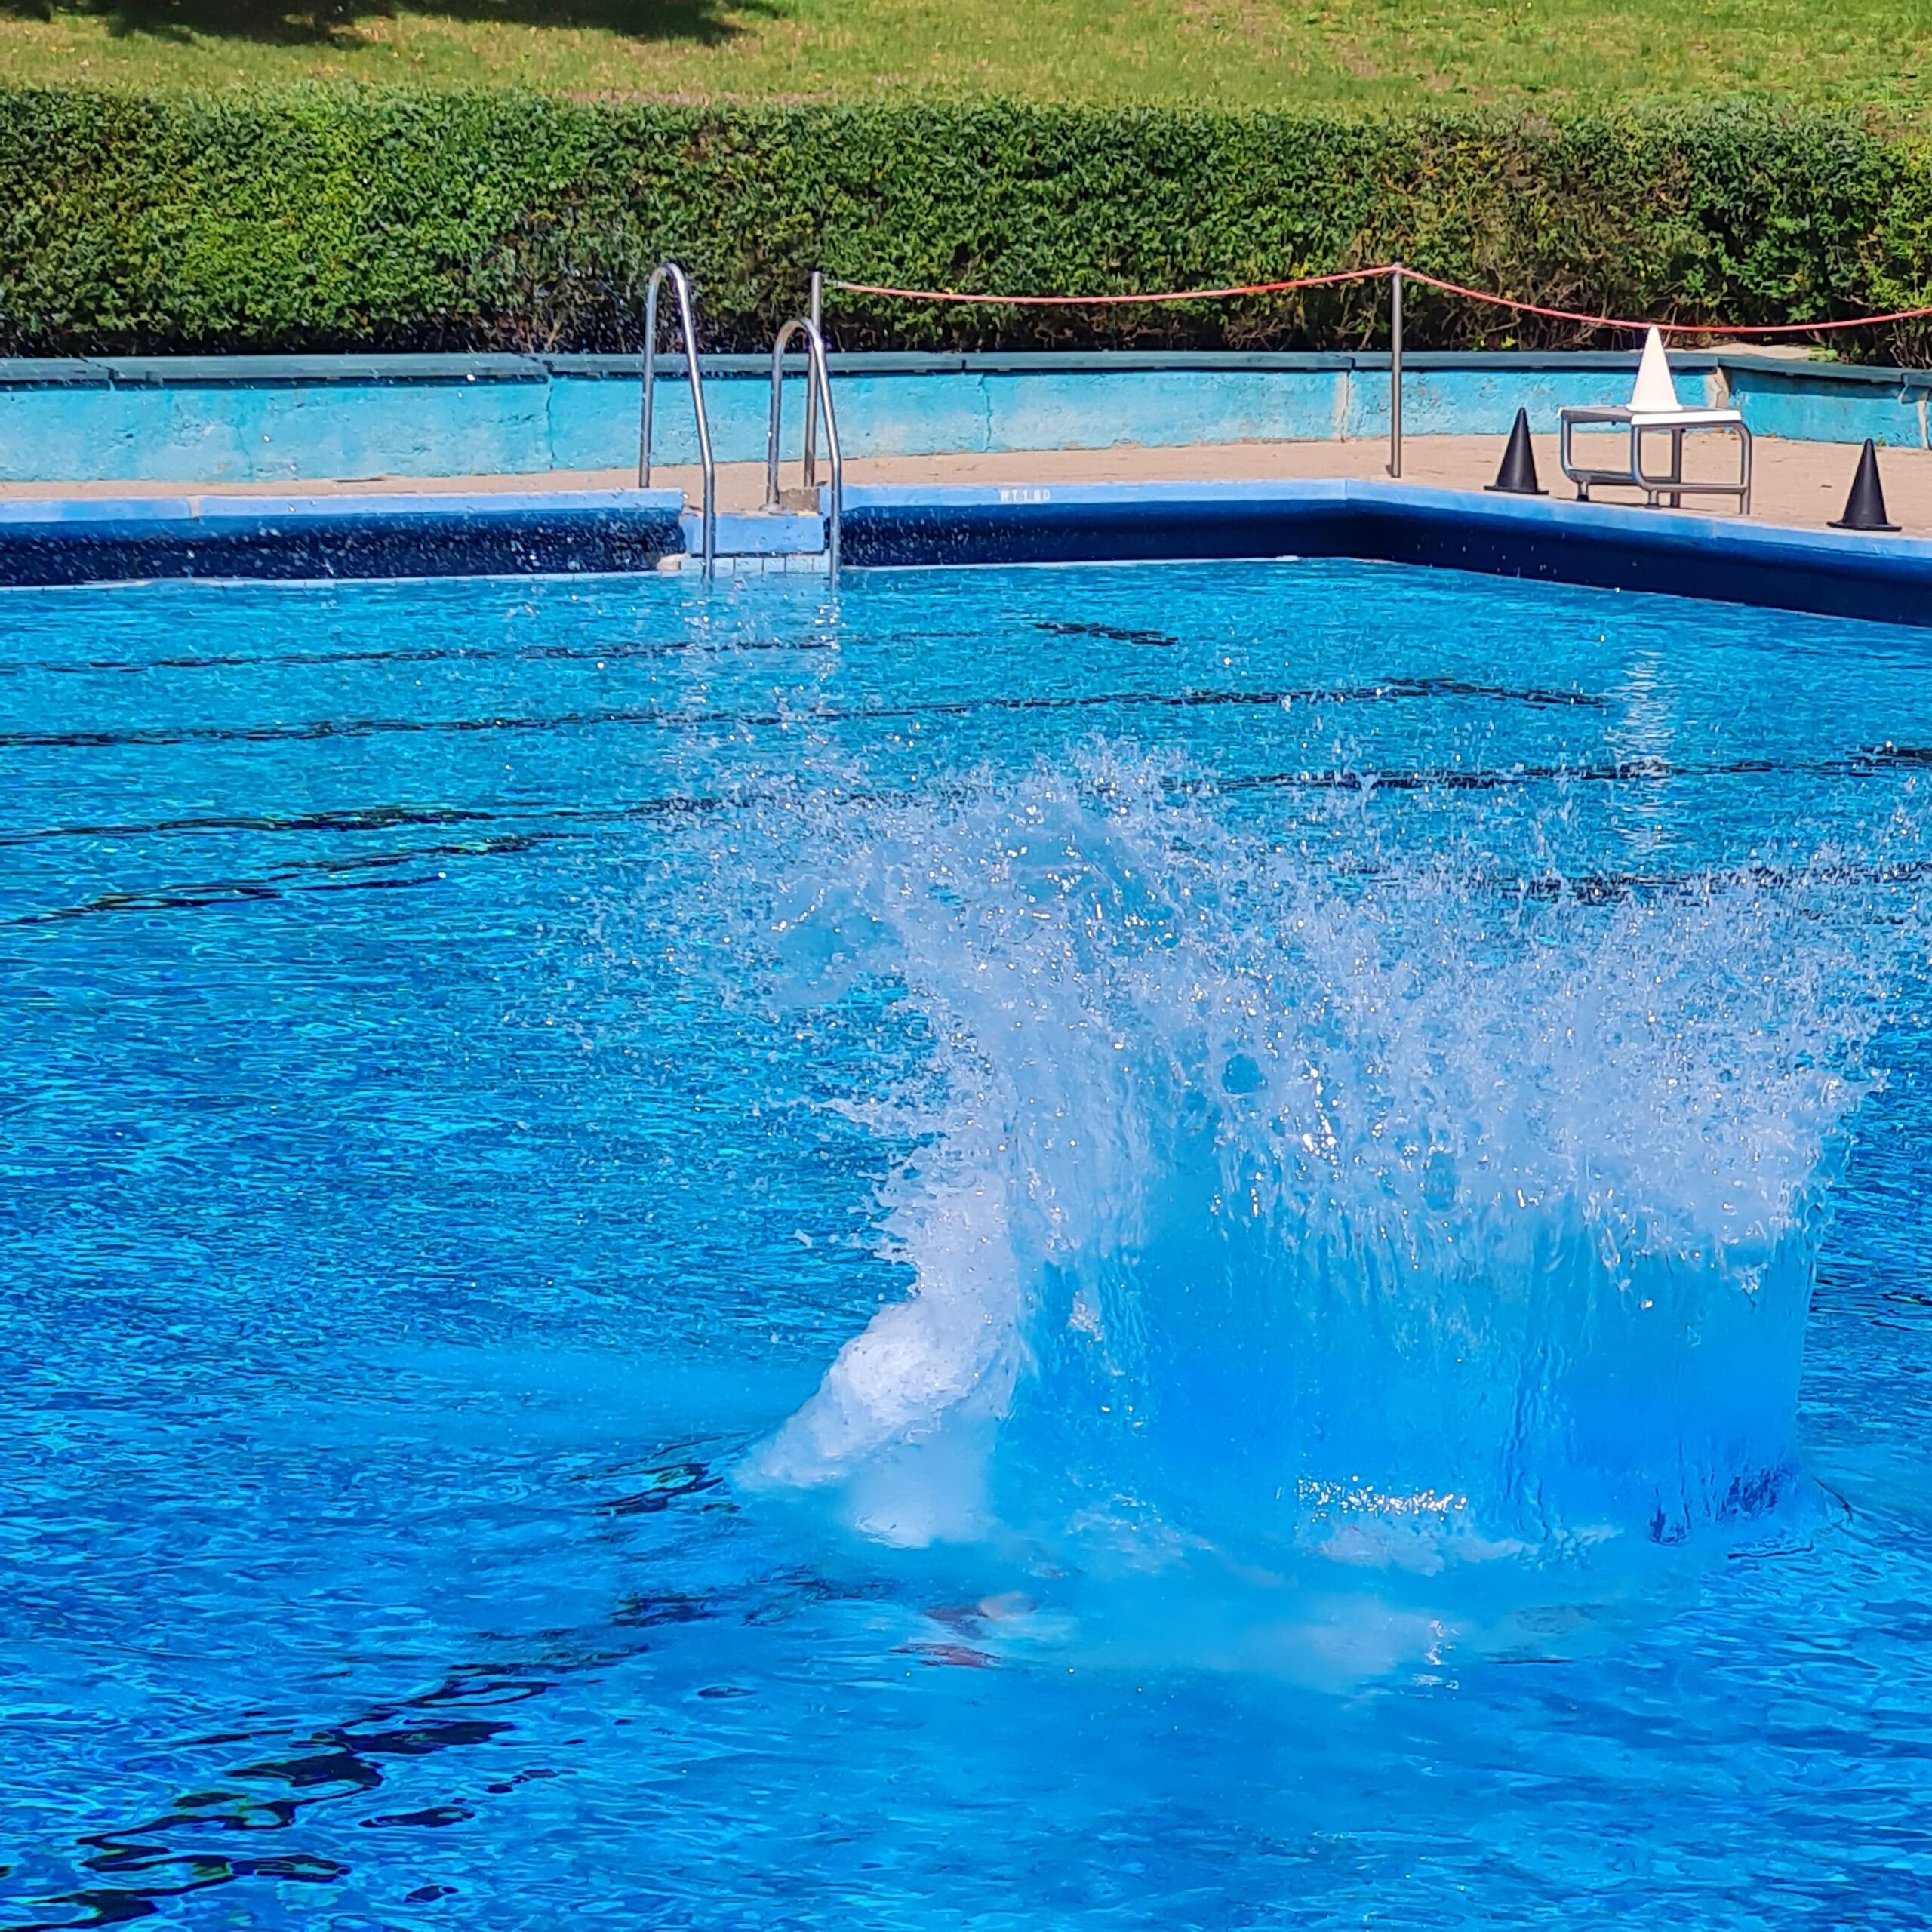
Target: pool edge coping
x=1888, y=578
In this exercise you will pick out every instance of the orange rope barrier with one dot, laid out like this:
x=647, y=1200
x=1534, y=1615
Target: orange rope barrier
x=1382, y=273
x=1113, y=301
x=1662, y=328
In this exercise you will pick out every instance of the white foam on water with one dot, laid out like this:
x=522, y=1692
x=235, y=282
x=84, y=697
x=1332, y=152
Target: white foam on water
x=1399, y=1216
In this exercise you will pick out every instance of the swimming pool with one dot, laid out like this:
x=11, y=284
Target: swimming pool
x=1355, y=1061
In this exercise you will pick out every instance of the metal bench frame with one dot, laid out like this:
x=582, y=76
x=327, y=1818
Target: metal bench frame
x=1634, y=476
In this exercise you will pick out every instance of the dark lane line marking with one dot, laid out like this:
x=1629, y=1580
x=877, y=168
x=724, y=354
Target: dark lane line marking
x=1625, y=771
x=421, y=654
x=1453, y=778
x=1395, y=691
x=1111, y=633
x=371, y=818
x=352, y=874
x=1612, y=888
x=384, y=818
x=260, y=1783
x=295, y=876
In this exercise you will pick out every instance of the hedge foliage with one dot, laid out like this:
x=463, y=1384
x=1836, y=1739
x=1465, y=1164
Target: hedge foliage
x=322, y=218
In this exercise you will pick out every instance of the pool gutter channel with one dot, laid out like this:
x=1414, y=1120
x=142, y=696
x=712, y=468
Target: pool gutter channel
x=49, y=542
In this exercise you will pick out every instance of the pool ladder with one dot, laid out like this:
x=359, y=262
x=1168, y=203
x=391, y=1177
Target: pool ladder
x=681, y=288
x=818, y=405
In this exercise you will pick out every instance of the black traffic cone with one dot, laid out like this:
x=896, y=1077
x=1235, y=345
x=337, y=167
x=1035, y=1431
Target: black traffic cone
x=1517, y=476
x=1864, y=507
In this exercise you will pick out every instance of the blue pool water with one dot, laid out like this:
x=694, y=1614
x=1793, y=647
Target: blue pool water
x=1178, y=1247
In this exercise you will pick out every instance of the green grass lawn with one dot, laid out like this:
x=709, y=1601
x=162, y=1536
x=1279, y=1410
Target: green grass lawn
x=1346, y=53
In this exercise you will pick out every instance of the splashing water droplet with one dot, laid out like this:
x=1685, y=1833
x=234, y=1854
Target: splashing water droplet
x=1383, y=1214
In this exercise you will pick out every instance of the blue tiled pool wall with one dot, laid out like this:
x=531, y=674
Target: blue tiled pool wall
x=266, y=419
x=57, y=540
x=1830, y=573
x=67, y=541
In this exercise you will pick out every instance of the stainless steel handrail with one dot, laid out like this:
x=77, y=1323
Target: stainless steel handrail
x=681, y=288
x=819, y=385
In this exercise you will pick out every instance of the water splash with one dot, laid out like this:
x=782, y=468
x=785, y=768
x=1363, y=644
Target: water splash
x=1394, y=1216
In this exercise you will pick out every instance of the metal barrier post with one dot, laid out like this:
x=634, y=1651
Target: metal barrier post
x=647, y=402
x=811, y=382
x=1395, y=371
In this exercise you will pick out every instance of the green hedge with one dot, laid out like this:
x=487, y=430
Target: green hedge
x=328, y=218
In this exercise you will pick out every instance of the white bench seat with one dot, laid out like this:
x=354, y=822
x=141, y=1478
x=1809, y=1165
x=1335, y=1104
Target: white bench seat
x=1683, y=418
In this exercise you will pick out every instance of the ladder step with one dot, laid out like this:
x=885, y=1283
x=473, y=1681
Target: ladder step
x=796, y=563
x=761, y=533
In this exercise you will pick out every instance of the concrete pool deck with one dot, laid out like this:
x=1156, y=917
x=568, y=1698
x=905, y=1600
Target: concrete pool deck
x=1798, y=484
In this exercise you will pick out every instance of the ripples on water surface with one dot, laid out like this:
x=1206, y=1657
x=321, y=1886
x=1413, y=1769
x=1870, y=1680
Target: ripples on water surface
x=1057, y=1248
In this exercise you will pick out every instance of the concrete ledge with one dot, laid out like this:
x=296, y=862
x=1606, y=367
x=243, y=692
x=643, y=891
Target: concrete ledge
x=246, y=371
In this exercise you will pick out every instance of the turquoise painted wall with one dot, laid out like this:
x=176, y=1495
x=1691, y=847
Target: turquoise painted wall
x=1820, y=407
x=266, y=419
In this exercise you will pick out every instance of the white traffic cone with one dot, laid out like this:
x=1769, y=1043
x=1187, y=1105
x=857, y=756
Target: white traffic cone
x=1655, y=391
